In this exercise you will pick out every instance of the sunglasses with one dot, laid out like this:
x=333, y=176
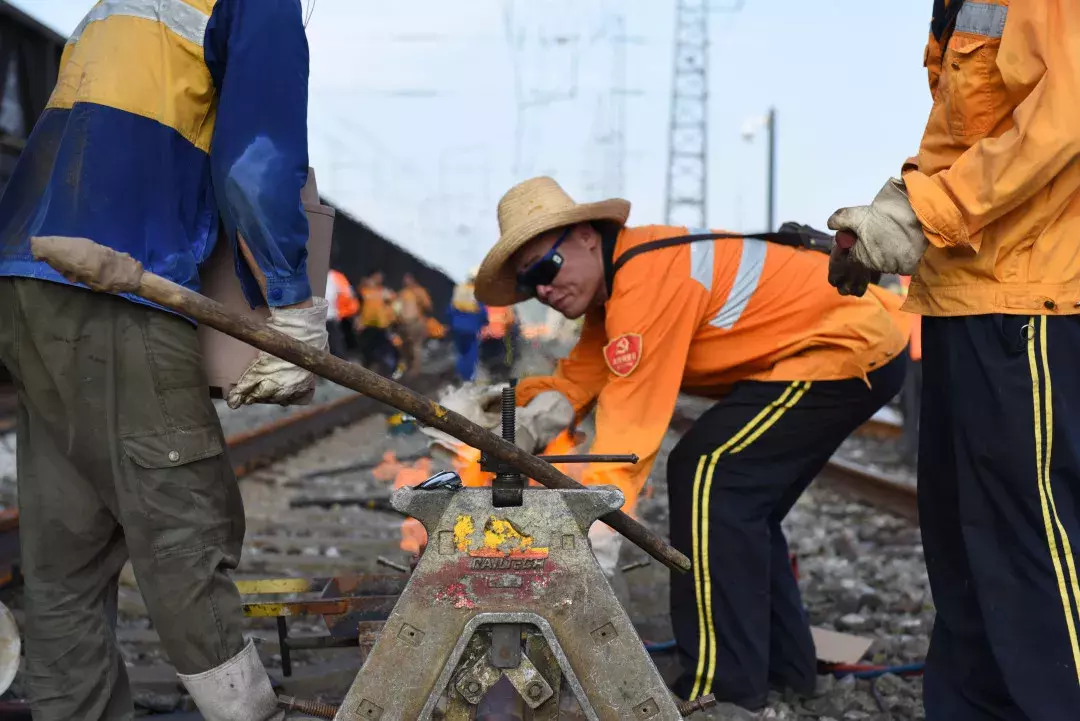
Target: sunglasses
x=544, y=270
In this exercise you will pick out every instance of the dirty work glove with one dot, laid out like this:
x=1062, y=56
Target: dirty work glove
x=271, y=380
x=539, y=422
x=889, y=237
x=478, y=403
x=846, y=275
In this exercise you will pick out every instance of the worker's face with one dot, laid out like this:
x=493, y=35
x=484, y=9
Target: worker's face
x=579, y=284
x=409, y=280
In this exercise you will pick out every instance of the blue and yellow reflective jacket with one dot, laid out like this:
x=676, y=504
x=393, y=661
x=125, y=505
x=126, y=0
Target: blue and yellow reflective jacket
x=170, y=118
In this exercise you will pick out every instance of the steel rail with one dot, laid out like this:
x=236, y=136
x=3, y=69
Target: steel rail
x=865, y=484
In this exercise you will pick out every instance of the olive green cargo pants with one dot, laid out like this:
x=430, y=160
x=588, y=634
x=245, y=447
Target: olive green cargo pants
x=120, y=454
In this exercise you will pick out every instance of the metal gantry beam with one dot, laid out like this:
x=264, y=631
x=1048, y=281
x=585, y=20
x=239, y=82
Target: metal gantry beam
x=688, y=142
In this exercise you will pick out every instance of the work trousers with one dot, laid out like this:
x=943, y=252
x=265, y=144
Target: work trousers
x=413, y=334
x=999, y=506
x=467, y=346
x=377, y=352
x=911, y=401
x=120, y=454
x=739, y=621
x=336, y=338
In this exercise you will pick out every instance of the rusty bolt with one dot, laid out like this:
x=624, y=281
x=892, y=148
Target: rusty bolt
x=310, y=708
x=473, y=687
x=699, y=704
x=535, y=690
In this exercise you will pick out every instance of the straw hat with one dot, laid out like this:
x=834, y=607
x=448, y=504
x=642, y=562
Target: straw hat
x=528, y=210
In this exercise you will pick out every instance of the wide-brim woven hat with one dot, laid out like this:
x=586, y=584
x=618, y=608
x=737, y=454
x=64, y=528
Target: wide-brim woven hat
x=528, y=210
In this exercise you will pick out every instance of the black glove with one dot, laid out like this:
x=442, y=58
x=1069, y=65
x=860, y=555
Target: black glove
x=848, y=276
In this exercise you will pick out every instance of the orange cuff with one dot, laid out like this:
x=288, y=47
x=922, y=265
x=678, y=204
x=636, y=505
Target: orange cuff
x=529, y=388
x=942, y=221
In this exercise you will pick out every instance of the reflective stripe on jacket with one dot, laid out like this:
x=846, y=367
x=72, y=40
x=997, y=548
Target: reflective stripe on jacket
x=168, y=118
x=996, y=183
x=701, y=317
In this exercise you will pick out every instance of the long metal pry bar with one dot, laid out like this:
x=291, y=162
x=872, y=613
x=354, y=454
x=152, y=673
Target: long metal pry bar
x=508, y=586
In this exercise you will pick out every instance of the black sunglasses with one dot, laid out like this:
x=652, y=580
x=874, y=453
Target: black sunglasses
x=544, y=270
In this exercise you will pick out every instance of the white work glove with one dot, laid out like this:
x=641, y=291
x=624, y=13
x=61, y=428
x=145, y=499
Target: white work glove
x=605, y=543
x=541, y=420
x=536, y=424
x=271, y=380
x=478, y=403
x=889, y=239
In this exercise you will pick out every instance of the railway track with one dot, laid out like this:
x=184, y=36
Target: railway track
x=257, y=448
x=308, y=543
x=867, y=485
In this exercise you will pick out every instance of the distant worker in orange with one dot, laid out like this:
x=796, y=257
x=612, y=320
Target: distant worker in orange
x=343, y=308
x=414, y=305
x=376, y=316
x=795, y=368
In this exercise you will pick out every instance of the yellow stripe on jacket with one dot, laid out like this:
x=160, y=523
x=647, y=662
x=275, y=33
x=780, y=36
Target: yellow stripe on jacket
x=123, y=80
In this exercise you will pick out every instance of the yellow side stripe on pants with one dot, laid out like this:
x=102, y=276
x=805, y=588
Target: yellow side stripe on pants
x=698, y=587
x=1044, y=423
x=769, y=415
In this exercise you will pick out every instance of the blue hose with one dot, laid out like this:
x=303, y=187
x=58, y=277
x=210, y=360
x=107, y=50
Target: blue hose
x=906, y=670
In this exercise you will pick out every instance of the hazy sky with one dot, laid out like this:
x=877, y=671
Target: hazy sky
x=423, y=113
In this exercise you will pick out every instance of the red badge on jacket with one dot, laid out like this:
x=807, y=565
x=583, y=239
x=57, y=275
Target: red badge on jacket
x=623, y=354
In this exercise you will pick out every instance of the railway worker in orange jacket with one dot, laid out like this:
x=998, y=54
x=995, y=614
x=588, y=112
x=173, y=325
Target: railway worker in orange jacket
x=794, y=367
x=987, y=216
x=343, y=306
x=376, y=316
x=415, y=306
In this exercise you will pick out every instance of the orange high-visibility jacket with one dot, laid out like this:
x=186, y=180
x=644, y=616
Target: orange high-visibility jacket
x=499, y=320
x=699, y=318
x=435, y=329
x=996, y=183
x=348, y=304
x=415, y=302
x=376, y=311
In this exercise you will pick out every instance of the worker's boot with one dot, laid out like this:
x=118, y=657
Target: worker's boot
x=237, y=690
